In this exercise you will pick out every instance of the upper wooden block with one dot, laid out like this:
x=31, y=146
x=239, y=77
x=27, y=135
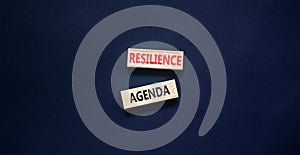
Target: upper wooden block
x=155, y=59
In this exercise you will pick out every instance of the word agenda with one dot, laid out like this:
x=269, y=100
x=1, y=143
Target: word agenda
x=149, y=94
x=156, y=59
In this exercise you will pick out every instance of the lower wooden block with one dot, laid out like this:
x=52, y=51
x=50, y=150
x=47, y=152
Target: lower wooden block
x=149, y=94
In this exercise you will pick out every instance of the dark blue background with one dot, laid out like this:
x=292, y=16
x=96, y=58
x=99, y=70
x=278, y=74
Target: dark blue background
x=258, y=40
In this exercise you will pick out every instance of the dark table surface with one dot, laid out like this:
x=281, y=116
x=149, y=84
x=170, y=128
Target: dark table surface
x=259, y=42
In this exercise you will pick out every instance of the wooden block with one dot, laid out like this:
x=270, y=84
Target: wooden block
x=156, y=59
x=149, y=94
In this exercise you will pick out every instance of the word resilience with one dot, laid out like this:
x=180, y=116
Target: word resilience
x=155, y=59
